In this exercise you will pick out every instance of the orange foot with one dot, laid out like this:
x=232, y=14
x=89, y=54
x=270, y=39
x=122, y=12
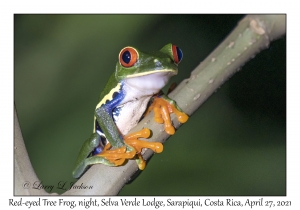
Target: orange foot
x=120, y=155
x=116, y=156
x=162, y=109
x=138, y=145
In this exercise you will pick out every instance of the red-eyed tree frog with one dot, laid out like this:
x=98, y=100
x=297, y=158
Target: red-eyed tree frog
x=138, y=77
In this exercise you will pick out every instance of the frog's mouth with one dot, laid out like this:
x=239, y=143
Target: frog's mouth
x=162, y=72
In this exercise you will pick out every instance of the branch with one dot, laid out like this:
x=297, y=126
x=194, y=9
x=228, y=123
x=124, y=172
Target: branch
x=252, y=34
x=24, y=173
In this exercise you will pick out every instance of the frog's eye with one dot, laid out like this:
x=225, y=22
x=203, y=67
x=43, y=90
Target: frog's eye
x=177, y=54
x=128, y=56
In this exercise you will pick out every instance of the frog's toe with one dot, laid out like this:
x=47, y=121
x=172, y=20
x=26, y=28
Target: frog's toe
x=181, y=116
x=138, y=145
x=144, y=133
x=169, y=128
x=141, y=162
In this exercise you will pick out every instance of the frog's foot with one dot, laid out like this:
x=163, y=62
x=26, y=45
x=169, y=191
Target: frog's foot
x=133, y=141
x=163, y=107
x=117, y=156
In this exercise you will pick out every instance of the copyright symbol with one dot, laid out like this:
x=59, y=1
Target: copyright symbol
x=26, y=185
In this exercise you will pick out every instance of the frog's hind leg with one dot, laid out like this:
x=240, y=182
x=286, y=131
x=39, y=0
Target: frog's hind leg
x=83, y=160
x=84, y=165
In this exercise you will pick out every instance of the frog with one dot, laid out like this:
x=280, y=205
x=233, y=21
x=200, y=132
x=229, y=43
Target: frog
x=132, y=92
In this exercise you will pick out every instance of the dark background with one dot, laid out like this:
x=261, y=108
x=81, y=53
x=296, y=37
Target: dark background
x=235, y=144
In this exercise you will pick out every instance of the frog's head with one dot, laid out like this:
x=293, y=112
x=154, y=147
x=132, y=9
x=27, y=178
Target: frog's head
x=134, y=63
x=148, y=71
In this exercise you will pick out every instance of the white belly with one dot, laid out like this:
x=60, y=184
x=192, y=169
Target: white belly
x=138, y=91
x=131, y=114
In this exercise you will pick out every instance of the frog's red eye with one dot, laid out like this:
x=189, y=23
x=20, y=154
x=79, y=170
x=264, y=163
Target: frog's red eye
x=128, y=56
x=177, y=54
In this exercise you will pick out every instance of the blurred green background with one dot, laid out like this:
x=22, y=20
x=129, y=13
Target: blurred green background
x=235, y=144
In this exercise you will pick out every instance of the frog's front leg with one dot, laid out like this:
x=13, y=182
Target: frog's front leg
x=163, y=106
